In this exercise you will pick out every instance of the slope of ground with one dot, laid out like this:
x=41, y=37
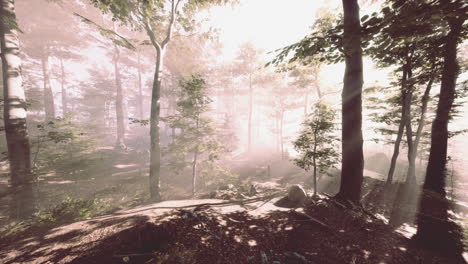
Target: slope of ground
x=191, y=231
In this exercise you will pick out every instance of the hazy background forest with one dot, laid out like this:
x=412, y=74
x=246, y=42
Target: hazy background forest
x=213, y=100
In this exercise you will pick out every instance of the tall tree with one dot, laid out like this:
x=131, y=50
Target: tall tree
x=332, y=41
x=119, y=111
x=248, y=65
x=352, y=165
x=14, y=96
x=433, y=225
x=157, y=18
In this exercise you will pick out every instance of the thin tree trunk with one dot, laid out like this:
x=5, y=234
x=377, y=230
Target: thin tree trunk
x=119, y=111
x=306, y=103
x=434, y=230
x=49, y=105
x=277, y=132
x=194, y=165
x=315, y=160
x=422, y=119
x=317, y=82
x=14, y=112
x=140, y=89
x=352, y=141
x=281, y=135
x=411, y=173
x=64, y=89
x=249, y=143
x=401, y=127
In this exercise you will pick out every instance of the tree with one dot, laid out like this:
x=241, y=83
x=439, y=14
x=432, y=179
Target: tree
x=42, y=41
x=434, y=229
x=198, y=139
x=14, y=97
x=316, y=144
x=352, y=165
x=248, y=65
x=156, y=18
x=334, y=41
x=413, y=47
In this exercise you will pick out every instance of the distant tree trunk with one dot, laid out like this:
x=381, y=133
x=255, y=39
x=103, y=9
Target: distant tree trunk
x=49, y=105
x=317, y=82
x=277, y=132
x=281, y=134
x=119, y=111
x=314, y=160
x=14, y=112
x=64, y=89
x=194, y=165
x=352, y=141
x=249, y=143
x=140, y=89
x=306, y=103
x=434, y=229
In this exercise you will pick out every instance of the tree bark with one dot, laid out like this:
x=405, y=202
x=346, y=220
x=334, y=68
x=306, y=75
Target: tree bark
x=155, y=147
x=281, y=134
x=249, y=143
x=140, y=89
x=405, y=105
x=155, y=151
x=411, y=172
x=434, y=229
x=422, y=121
x=352, y=141
x=14, y=112
x=194, y=165
x=63, y=88
x=119, y=111
x=315, y=160
x=49, y=105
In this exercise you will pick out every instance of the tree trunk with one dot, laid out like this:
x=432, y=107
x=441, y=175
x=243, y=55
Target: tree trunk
x=315, y=160
x=281, y=135
x=119, y=111
x=194, y=166
x=140, y=89
x=352, y=141
x=249, y=143
x=422, y=120
x=155, y=144
x=411, y=172
x=306, y=103
x=434, y=229
x=155, y=151
x=401, y=126
x=317, y=82
x=64, y=89
x=49, y=105
x=14, y=112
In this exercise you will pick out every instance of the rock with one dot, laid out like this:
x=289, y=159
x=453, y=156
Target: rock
x=297, y=194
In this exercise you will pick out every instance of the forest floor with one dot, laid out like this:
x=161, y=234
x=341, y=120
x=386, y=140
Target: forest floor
x=219, y=229
x=259, y=232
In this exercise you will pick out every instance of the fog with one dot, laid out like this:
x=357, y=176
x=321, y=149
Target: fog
x=224, y=121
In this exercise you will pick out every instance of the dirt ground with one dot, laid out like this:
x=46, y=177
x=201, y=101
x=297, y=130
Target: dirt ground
x=223, y=232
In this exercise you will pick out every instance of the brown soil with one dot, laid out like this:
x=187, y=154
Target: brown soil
x=322, y=232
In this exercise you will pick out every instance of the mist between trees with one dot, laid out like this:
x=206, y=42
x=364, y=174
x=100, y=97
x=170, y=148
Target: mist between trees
x=113, y=104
